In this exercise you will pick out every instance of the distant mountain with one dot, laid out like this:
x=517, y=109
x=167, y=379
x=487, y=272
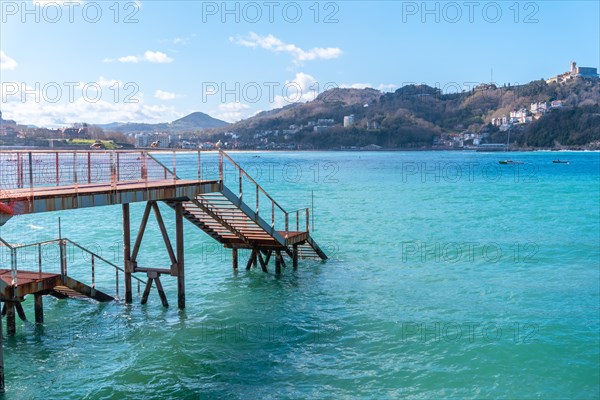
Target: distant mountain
x=190, y=123
x=198, y=120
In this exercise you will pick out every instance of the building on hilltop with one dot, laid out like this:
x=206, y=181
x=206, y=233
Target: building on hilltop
x=75, y=132
x=575, y=72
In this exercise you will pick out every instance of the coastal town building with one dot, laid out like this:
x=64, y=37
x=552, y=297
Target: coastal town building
x=7, y=127
x=348, y=120
x=326, y=121
x=158, y=140
x=321, y=128
x=539, y=108
x=373, y=125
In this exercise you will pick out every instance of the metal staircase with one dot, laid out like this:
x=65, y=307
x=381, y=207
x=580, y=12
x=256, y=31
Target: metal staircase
x=227, y=218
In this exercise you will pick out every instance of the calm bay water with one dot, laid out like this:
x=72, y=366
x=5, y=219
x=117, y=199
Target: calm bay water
x=451, y=276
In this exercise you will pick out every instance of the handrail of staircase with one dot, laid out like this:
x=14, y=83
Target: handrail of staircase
x=13, y=261
x=241, y=170
x=167, y=169
x=23, y=246
x=6, y=244
x=116, y=267
x=14, y=249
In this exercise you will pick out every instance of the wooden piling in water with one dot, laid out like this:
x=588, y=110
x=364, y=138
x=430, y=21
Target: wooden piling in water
x=38, y=306
x=278, y=262
x=234, y=258
x=295, y=257
x=2, y=390
x=11, y=328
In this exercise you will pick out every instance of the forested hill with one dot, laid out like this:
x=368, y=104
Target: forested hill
x=414, y=115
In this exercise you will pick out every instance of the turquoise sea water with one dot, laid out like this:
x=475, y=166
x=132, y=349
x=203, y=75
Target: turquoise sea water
x=450, y=276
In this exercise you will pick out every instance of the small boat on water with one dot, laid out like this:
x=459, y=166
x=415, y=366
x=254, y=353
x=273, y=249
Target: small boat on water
x=507, y=161
x=560, y=161
x=510, y=162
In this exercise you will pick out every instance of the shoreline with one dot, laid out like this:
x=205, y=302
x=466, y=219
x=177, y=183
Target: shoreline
x=383, y=150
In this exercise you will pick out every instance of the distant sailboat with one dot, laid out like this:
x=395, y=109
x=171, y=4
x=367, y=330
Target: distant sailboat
x=508, y=161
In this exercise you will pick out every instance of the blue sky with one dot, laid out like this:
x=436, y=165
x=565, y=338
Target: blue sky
x=155, y=61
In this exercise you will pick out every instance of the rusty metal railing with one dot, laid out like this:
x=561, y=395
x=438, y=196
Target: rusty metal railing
x=279, y=217
x=44, y=168
x=39, y=256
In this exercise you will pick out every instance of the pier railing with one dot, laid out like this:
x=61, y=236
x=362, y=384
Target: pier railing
x=64, y=257
x=34, y=169
x=39, y=169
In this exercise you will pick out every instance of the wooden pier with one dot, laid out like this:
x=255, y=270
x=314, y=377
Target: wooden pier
x=238, y=213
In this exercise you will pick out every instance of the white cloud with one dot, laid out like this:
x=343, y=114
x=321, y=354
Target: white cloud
x=384, y=87
x=231, y=112
x=387, y=87
x=149, y=56
x=108, y=82
x=157, y=57
x=180, y=41
x=298, y=90
x=101, y=112
x=276, y=45
x=128, y=59
x=355, y=85
x=31, y=107
x=162, y=95
x=7, y=63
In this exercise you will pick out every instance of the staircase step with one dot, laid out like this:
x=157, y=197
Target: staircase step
x=65, y=291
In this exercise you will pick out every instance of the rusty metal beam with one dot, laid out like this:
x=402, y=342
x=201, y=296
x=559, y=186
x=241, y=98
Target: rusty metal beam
x=127, y=253
x=157, y=270
x=251, y=260
x=147, y=291
x=161, y=292
x=263, y=265
x=180, y=256
x=46, y=199
x=163, y=231
x=140, y=235
x=268, y=256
